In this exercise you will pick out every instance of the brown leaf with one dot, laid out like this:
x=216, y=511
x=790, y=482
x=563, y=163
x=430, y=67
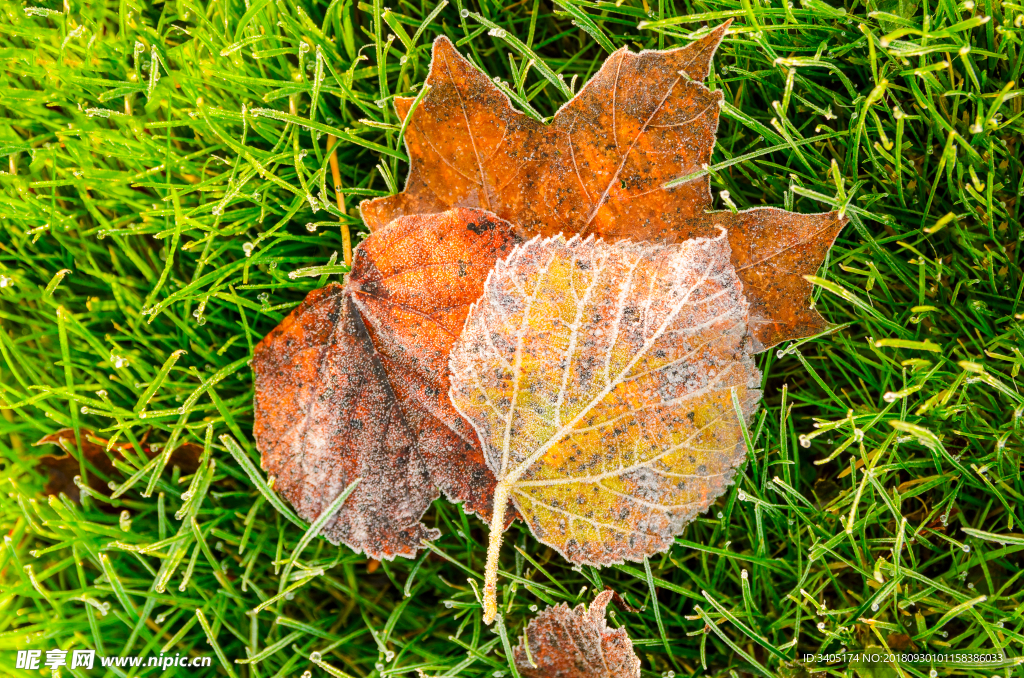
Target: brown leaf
x=600, y=167
x=354, y=384
x=576, y=643
x=901, y=642
x=620, y=602
x=63, y=469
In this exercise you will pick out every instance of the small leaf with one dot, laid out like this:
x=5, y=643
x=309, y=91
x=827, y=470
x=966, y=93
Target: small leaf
x=599, y=378
x=61, y=470
x=354, y=384
x=577, y=643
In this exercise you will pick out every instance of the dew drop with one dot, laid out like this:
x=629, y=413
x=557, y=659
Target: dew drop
x=464, y=13
x=315, y=656
x=247, y=248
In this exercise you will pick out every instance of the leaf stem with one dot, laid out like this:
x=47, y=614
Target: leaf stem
x=493, y=549
x=346, y=237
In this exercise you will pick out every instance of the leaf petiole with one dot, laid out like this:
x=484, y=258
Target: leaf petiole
x=501, y=491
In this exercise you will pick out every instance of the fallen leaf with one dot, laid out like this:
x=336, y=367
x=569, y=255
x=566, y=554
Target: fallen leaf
x=354, y=384
x=620, y=602
x=600, y=167
x=901, y=642
x=61, y=470
x=599, y=377
x=576, y=643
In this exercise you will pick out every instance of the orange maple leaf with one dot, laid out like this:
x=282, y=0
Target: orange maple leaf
x=605, y=165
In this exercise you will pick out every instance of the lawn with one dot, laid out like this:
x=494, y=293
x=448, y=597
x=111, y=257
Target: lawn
x=167, y=198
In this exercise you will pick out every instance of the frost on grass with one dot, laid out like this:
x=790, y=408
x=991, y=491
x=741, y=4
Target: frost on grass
x=626, y=158
x=576, y=643
x=354, y=384
x=599, y=377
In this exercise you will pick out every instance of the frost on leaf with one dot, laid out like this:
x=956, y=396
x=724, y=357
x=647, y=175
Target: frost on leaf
x=576, y=643
x=354, y=384
x=599, y=377
x=600, y=167
x=61, y=470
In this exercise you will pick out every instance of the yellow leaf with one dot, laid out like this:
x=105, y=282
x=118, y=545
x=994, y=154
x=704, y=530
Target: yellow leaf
x=599, y=379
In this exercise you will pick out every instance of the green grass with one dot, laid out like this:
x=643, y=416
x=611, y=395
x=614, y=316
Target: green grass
x=152, y=202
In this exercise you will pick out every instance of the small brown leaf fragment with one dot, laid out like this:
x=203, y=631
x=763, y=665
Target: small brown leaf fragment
x=601, y=167
x=576, y=643
x=620, y=602
x=900, y=642
x=63, y=469
x=354, y=384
